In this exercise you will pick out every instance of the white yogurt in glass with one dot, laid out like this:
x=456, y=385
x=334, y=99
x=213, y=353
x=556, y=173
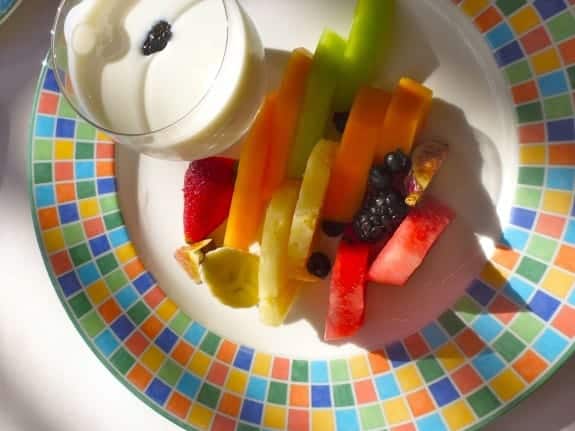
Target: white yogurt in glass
x=192, y=99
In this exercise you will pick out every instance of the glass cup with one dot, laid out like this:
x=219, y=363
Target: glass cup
x=103, y=74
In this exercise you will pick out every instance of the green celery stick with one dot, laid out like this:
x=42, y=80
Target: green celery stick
x=368, y=45
x=316, y=109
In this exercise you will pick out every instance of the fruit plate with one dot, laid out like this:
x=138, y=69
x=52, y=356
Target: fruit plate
x=482, y=326
x=7, y=7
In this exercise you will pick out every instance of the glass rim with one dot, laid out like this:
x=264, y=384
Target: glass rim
x=52, y=56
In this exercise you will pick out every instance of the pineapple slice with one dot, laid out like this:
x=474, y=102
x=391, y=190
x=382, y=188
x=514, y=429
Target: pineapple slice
x=309, y=205
x=276, y=295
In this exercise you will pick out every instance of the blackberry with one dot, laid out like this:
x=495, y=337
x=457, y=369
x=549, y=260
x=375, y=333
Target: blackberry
x=158, y=38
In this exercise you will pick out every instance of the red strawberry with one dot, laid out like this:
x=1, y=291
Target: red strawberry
x=347, y=291
x=409, y=245
x=208, y=190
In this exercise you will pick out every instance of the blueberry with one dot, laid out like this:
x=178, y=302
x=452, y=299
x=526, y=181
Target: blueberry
x=319, y=265
x=392, y=201
x=332, y=229
x=397, y=162
x=379, y=179
x=340, y=121
x=158, y=38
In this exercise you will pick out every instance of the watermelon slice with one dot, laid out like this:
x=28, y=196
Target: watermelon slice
x=347, y=291
x=407, y=248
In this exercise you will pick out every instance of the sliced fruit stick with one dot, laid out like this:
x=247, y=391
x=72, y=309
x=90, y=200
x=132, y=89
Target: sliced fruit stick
x=290, y=98
x=309, y=205
x=232, y=277
x=409, y=245
x=248, y=207
x=355, y=156
x=273, y=311
x=274, y=267
x=347, y=291
x=408, y=110
x=317, y=105
x=368, y=45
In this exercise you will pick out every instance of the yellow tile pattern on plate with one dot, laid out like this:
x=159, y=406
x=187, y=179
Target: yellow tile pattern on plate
x=557, y=202
x=126, y=253
x=274, y=417
x=546, y=61
x=507, y=385
x=262, y=364
x=408, y=378
x=473, y=7
x=167, y=309
x=237, y=381
x=64, y=150
x=450, y=357
x=558, y=282
x=532, y=155
x=395, y=411
x=89, y=208
x=359, y=367
x=53, y=240
x=199, y=364
x=458, y=415
x=98, y=292
x=153, y=358
x=322, y=420
x=524, y=20
x=200, y=416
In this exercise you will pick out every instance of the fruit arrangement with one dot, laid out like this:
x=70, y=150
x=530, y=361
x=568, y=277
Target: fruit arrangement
x=366, y=188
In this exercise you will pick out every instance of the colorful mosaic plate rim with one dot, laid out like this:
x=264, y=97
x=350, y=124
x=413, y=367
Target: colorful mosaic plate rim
x=502, y=340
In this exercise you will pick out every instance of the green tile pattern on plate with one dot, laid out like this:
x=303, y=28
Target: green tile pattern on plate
x=509, y=6
x=180, y=323
x=508, y=346
x=210, y=343
x=73, y=234
x=451, y=322
x=80, y=254
x=562, y=26
x=467, y=309
x=542, y=248
x=299, y=371
x=113, y=220
x=42, y=149
x=338, y=370
x=65, y=110
x=371, y=418
x=571, y=74
x=80, y=304
x=92, y=324
x=557, y=107
x=209, y=395
x=85, y=132
x=122, y=360
x=531, y=269
x=483, y=402
x=527, y=326
x=532, y=176
x=518, y=72
x=170, y=372
x=139, y=312
x=42, y=173
x=528, y=197
x=430, y=368
x=116, y=280
x=84, y=151
x=107, y=263
x=86, y=189
x=109, y=203
x=277, y=393
x=530, y=112
x=343, y=395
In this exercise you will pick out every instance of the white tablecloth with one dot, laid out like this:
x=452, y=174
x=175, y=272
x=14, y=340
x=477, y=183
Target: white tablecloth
x=49, y=379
